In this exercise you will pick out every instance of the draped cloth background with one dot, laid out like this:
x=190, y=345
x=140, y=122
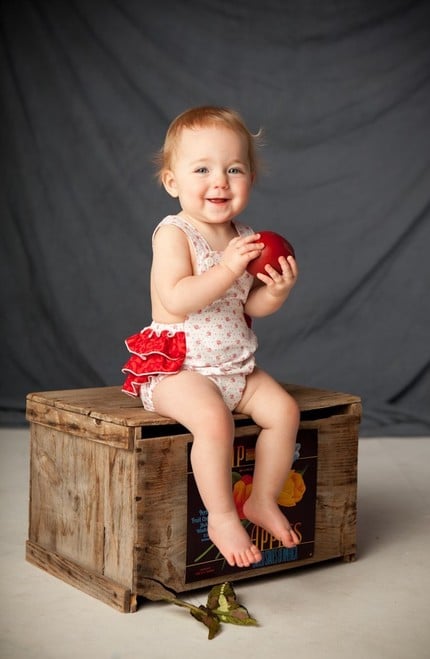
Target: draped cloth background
x=342, y=90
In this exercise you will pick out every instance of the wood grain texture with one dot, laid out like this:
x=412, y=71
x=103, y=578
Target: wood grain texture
x=89, y=582
x=109, y=404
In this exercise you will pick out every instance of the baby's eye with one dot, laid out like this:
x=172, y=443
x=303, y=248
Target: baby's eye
x=235, y=170
x=201, y=170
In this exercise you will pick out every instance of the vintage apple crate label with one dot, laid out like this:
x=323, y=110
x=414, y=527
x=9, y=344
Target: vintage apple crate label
x=297, y=501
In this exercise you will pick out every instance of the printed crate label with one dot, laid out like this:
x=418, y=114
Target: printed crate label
x=297, y=501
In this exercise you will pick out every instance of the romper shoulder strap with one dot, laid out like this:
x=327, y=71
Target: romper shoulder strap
x=200, y=245
x=179, y=222
x=198, y=242
x=243, y=229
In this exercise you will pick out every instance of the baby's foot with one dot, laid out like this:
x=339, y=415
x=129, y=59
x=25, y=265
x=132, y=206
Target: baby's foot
x=228, y=534
x=267, y=514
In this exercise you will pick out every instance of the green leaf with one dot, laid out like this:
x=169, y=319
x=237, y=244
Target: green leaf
x=208, y=618
x=223, y=602
x=222, y=606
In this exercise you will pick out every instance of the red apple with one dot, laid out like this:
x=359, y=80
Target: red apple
x=275, y=246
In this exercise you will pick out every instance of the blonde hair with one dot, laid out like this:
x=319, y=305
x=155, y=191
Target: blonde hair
x=207, y=115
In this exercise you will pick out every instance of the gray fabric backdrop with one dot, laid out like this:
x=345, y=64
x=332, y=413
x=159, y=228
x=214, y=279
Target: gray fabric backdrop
x=342, y=90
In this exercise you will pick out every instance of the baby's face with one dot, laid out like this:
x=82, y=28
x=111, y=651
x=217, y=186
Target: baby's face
x=210, y=174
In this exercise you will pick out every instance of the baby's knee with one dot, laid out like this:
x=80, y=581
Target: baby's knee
x=289, y=410
x=215, y=419
x=293, y=406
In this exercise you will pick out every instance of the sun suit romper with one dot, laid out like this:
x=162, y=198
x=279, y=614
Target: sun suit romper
x=216, y=341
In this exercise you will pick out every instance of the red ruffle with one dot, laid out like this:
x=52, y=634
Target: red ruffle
x=152, y=354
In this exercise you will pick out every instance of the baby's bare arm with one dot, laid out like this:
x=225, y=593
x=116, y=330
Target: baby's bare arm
x=179, y=289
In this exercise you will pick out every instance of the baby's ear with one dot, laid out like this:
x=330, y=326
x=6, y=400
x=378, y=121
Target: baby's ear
x=169, y=182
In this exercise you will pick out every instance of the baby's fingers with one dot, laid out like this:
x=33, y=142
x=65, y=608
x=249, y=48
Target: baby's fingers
x=289, y=266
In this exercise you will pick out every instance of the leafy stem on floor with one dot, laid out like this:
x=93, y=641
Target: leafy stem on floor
x=221, y=606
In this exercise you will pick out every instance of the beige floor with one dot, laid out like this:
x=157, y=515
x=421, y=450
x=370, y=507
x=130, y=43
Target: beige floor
x=376, y=608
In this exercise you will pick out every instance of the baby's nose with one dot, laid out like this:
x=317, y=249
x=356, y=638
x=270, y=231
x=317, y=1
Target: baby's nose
x=221, y=181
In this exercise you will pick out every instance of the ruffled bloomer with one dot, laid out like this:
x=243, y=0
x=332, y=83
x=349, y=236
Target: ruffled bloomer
x=152, y=353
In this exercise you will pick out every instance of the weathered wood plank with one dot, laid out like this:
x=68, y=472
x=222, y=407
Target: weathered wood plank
x=67, y=496
x=336, y=510
x=119, y=514
x=82, y=501
x=80, y=425
x=161, y=521
x=111, y=405
x=87, y=581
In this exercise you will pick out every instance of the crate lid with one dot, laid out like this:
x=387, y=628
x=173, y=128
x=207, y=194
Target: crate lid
x=110, y=404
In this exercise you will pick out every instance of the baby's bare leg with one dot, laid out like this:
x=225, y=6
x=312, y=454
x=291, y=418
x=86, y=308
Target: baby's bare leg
x=277, y=414
x=195, y=402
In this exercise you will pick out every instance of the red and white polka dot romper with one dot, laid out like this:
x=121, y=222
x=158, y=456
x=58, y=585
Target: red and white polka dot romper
x=215, y=341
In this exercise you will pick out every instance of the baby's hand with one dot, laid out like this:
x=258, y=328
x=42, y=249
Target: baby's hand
x=280, y=284
x=240, y=251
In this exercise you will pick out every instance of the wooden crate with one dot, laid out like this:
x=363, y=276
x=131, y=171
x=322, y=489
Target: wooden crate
x=113, y=507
